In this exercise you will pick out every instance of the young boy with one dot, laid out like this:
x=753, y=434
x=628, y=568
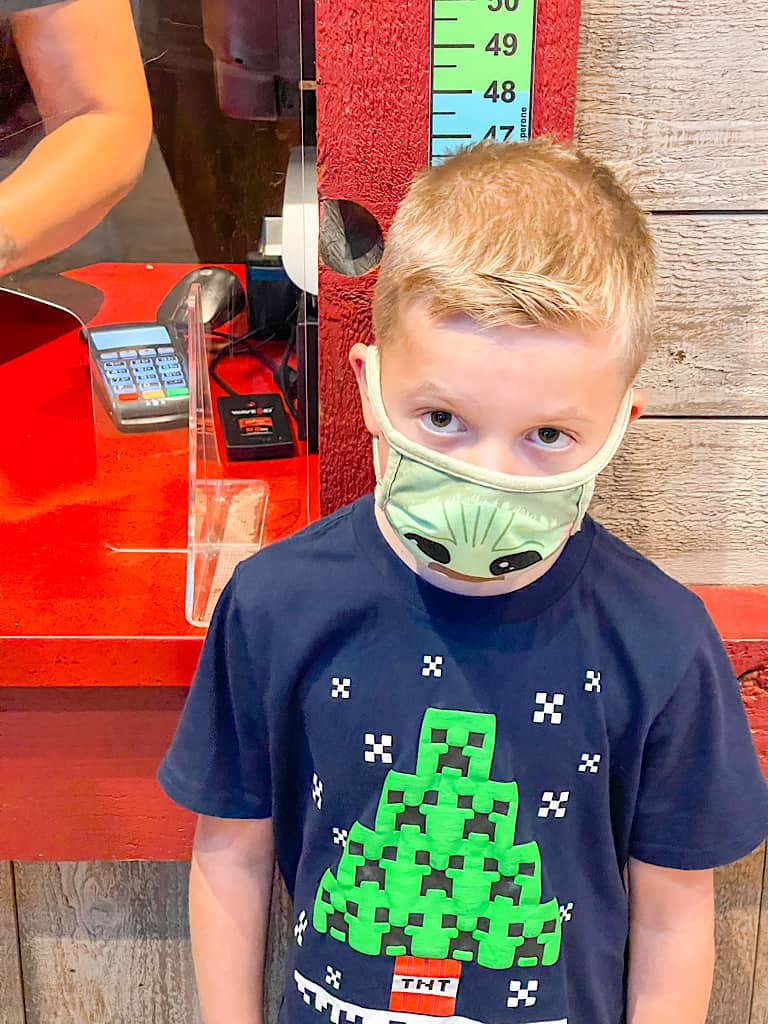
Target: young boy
x=497, y=752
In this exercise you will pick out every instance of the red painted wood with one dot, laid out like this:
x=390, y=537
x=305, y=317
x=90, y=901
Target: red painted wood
x=78, y=775
x=740, y=613
x=373, y=135
x=78, y=767
x=754, y=692
x=554, y=78
x=95, y=653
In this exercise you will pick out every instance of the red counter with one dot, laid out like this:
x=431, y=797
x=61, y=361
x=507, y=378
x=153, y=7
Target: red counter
x=95, y=652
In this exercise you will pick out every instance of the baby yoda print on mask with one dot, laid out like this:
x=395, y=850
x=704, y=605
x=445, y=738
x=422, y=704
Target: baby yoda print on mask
x=475, y=522
x=473, y=530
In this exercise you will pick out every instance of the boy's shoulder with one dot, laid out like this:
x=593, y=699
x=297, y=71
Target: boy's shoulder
x=330, y=550
x=628, y=588
x=314, y=559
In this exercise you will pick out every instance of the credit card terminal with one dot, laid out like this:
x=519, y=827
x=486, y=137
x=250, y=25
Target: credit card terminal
x=140, y=372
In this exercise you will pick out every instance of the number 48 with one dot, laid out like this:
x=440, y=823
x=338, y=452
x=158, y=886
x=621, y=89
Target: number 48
x=504, y=91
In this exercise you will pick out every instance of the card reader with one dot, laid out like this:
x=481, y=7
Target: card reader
x=255, y=427
x=140, y=373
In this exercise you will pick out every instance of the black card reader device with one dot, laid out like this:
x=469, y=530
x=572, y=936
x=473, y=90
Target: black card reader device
x=255, y=427
x=140, y=373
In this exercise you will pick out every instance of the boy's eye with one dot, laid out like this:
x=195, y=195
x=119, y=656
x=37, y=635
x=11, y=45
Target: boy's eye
x=551, y=437
x=548, y=435
x=441, y=421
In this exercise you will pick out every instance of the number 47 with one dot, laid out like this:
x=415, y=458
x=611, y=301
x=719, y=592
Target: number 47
x=505, y=129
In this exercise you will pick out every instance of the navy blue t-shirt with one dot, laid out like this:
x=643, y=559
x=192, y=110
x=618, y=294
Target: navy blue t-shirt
x=456, y=783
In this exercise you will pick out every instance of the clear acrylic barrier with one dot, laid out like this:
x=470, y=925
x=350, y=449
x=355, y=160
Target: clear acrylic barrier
x=228, y=182
x=226, y=516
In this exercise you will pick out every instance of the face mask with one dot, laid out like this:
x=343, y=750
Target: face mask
x=476, y=522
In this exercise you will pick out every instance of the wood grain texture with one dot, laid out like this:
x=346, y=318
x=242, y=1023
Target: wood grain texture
x=711, y=351
x=759, y=1013
x=680, y=92
x=738, y=890
x=104, y=942
x=691, y=495
x=11, y=1001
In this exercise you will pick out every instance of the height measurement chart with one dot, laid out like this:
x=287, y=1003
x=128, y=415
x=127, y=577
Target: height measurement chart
x=482, y=72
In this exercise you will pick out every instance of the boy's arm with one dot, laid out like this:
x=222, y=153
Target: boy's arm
x=230, y=885
x=671, y=944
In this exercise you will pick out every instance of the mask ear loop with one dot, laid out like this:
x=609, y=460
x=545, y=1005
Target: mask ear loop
x=384, y=476
x=376, y=459
x=587, y=490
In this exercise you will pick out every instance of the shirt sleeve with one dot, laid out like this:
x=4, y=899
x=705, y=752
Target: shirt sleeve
x=703, y=800
x=218, y=762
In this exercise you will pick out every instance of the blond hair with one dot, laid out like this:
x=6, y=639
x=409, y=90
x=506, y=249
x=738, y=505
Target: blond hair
x=521, y=234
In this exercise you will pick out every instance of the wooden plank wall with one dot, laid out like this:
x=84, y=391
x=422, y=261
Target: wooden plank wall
x=678, y=92
x=11, y=1000
x=108, y=943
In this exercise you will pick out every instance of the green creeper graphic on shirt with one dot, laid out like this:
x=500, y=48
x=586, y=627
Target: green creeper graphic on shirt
x=441, y=874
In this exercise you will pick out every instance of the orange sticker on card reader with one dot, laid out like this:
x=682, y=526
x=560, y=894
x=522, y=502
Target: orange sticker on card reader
x=254, y=423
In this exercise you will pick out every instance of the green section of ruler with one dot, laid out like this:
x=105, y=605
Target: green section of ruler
x=482, y=72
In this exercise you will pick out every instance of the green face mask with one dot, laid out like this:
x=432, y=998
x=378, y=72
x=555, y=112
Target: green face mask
x=473, y=521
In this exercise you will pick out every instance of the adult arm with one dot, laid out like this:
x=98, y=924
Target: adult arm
x=230, y=886
x=671, y=944
x=83, y=64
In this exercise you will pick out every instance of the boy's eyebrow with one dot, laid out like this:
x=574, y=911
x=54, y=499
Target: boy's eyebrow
x=428, y=390
x=569, y=412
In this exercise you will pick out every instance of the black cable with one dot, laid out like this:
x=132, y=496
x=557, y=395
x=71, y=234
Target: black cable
x=238, y=347
x=263, y=358
x=214, y=376
x=281, y=372
x=280, y=377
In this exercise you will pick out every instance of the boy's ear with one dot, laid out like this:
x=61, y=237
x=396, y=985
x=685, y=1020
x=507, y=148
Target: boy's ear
x=639, y=402
x=357, y=356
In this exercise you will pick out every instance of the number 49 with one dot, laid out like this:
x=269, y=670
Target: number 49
x=502, y=44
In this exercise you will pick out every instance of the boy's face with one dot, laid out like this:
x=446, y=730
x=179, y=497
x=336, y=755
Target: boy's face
x=525, y=401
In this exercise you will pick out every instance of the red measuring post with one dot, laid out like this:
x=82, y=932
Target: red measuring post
x=373, y=94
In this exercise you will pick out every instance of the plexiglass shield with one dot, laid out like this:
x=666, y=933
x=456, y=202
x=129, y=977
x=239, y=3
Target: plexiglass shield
x=164, y=378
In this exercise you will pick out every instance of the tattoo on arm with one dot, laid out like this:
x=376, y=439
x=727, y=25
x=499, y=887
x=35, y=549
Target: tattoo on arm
x=8, y=250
